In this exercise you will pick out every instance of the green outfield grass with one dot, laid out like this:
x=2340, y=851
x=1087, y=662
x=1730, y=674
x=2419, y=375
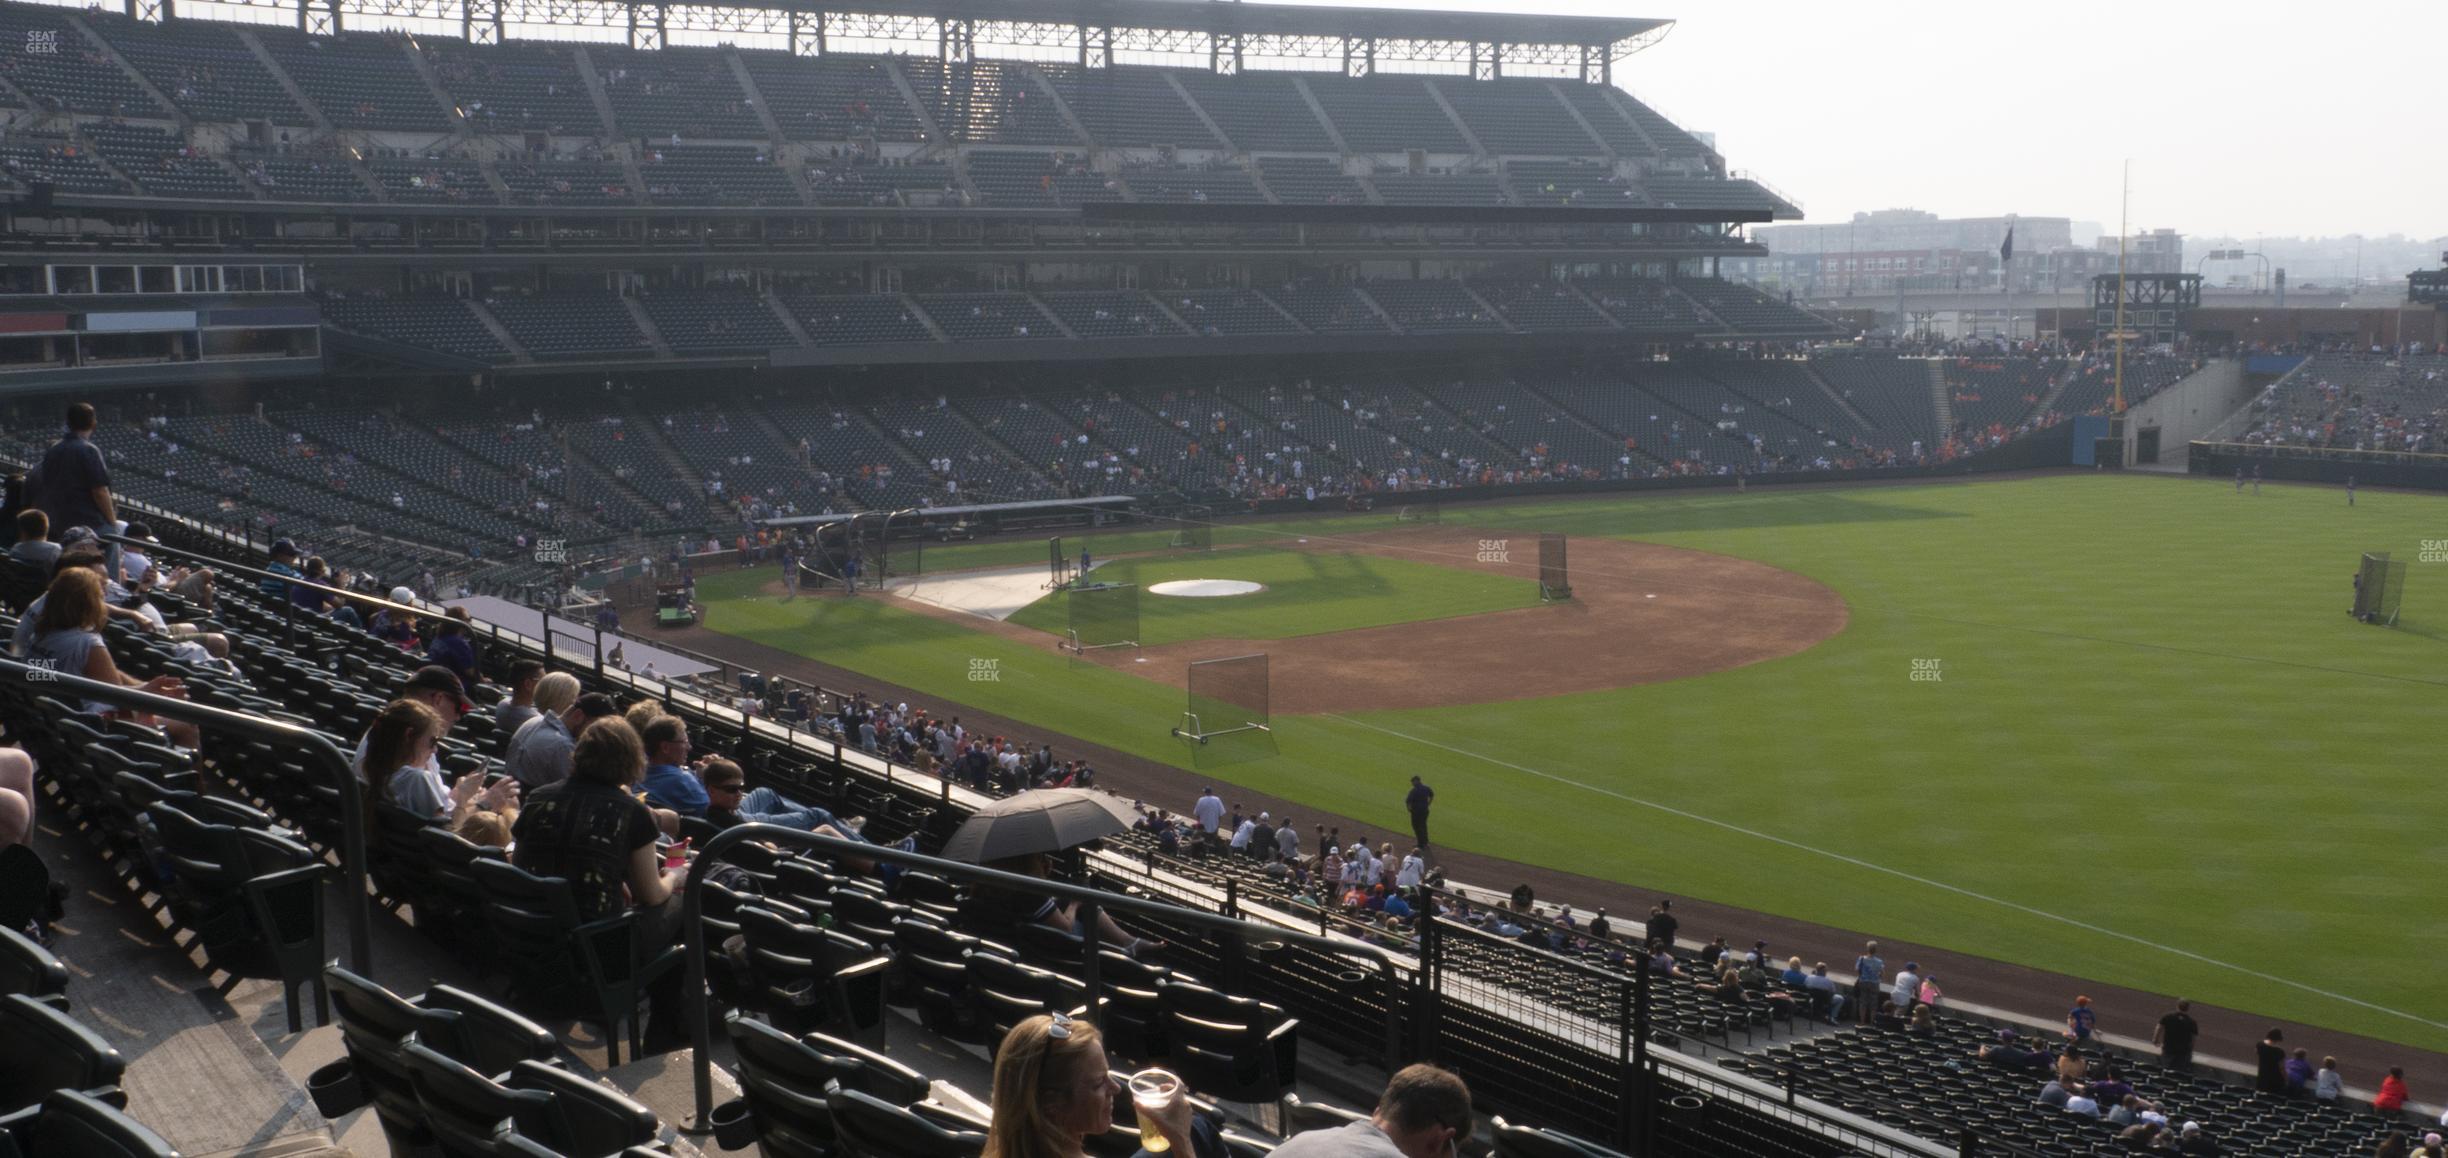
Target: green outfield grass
x=2158, y=754
x=1307, y=592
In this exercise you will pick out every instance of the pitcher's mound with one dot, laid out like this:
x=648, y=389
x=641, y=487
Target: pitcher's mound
x=1205, y=588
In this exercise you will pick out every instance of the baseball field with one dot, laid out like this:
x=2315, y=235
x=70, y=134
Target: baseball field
x=2119, y=728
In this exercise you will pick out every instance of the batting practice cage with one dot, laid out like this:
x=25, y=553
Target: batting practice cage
x=2379, y=587
x=1058, y=565
x=1226, y=718
x=1102, y=615
x=1195, y=529
x=1554, y=582
x=1428, y=510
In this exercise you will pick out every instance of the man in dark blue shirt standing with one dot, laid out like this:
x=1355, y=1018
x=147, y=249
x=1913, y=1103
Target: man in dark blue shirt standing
x=75, y=486
x=1417, y=801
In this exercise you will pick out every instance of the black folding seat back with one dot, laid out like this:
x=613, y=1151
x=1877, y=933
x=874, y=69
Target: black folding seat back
x=486, y=1036
x=868, y=1127
x=48, y=1050
x=70, y=1122
x=467, y=1111
x=30, y=969
x=588, y=1117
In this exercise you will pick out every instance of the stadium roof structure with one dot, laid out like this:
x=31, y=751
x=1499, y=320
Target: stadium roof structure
x=1361, y=39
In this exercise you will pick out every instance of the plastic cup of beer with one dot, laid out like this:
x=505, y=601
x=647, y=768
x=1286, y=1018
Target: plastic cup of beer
x=1152, y=1092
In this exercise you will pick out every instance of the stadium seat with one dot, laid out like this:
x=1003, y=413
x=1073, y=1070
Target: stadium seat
x=254, y=900
x=49, y=1050
x=70, y=1122
x=802, y=976
x=592, y=969
x=29, y=969
x=868, y=1127
x=1513, y=1141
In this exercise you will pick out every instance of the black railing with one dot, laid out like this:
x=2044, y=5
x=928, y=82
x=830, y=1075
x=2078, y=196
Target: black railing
x=317, y=748
x=1090, y=900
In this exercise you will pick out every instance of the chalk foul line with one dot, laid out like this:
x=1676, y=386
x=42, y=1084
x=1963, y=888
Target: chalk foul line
x=1900, y=874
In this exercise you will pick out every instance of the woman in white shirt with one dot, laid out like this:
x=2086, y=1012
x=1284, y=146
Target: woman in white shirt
x=400, y=767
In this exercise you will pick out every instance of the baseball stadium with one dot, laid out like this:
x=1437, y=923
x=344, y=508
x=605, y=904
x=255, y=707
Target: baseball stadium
x=1047, y=578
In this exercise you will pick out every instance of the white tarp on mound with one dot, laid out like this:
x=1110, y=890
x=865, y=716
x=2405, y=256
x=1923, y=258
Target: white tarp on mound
x=1205, y=588
x=995, y=594
x=572, y=640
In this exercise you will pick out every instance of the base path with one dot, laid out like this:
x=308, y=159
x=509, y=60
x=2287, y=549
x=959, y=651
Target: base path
x=1640, y=613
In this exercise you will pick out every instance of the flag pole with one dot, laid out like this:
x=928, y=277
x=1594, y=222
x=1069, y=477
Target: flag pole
x=2116, y=403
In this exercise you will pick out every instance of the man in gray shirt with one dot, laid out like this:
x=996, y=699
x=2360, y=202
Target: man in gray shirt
x=34, y=545
x=1425, y=1112
x=514, y=712
x=539, y=752
x=1287, y=840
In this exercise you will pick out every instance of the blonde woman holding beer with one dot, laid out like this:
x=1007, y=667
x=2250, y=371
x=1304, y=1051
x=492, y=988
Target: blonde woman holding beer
x=1053, y=1087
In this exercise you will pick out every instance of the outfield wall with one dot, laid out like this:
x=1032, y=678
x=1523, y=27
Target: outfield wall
x=2313, y=464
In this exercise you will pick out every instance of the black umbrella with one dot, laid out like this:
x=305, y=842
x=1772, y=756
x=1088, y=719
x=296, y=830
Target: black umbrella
x=1040, y=821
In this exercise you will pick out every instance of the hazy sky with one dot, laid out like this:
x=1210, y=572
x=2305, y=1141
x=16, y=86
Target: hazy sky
x=2281, y=119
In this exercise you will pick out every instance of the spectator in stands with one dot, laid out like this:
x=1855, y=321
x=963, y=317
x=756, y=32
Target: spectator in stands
x=2174, y=1037
x=1907, y=987
x=67, y=637
x=539, y=751
x=2009, y=1053
x=71, y=485
x=399, y=767
x=2298, y=1073
x=1869, y=971
x=2394, y=1146
x=519, y=707
x=16, y=796
x=1923, y=1024
x=2392, y=1096
x=592, y=831
x=1425, y=1112
x=1823, y=990
x=2193, y=1140
x=2080, y=1022
x=2329, y=1085
x=284, y=562
x=452, y=649
x=1008, y=907
x=1662, y=924
x=2270, y=1058
x=1209, y=810
x=34, y=547
x=670, y=781
x=1053, y=1088
x=1930, y=993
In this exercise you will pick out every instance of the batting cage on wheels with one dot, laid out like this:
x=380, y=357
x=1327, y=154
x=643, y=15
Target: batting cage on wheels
x=1194, y=529
x=1226, y=717
x=1102, y=615
x=1425, y=510
x=1058, y=565
x=2379, y=588
x=1555, y=582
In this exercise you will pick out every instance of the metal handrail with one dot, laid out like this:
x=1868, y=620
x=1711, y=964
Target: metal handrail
x=318, y=749
x=692, y=913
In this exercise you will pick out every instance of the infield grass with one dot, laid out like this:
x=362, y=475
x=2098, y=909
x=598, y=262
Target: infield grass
x=2158, y=752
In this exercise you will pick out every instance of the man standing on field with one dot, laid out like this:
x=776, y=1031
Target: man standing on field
x=1417, y=801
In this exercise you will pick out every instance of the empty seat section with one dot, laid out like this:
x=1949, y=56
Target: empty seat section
x=569, y=325
x=1129, y=106
x=1221, y=183
x=439, y=323
x=988, y=101
x=1386, y=114
x=1215, y=312
x=834, y=97
x=432, y=180
x=1540, y=305
x=708, y=321
x=690, y=92
x=855, y=319
x=58, y=68
x=361, y=80
x=1012, y=177
x=1258, y=110
x=162, y=164
x=1310, y=181
x=972, y=317
x=1517, y=116
x=566, y=182
x=714, y=175
x=1434, y=307
x=1329, y=309
x=518, y=85
x=201, y=66
x=1109, y=313
x=1439, y=188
